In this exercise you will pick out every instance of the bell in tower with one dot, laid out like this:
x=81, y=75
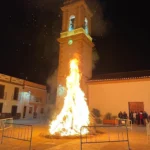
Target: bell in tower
x=76, y=14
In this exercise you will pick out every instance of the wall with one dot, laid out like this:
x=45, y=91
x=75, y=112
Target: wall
x=80, y=10
x=113, y=96
x=32, y=93
x=26, y=90
x=8, y=97
x=39, y=93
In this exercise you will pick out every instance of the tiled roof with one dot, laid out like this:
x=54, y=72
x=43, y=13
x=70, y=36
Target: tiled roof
x=122, y=76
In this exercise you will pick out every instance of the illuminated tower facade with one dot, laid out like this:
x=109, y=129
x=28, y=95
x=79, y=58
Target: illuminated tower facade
x=75, y=40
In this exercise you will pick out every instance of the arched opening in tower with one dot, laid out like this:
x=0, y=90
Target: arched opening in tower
x=71, y=23
x=86, y=25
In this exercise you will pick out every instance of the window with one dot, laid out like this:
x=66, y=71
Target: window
x=1, y=107
x=71, y=23
x=2, y=88
x=86, y=26
x=14, y=111
x=30, y=110
x=16, y=93
x=42, y=110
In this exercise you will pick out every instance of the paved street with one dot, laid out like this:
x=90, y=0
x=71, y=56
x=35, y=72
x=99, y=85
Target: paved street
x=138, y=141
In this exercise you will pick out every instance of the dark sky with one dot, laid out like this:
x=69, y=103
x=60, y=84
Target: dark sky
x=29, y=29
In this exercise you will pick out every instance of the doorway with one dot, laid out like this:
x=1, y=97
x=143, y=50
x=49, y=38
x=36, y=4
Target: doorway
x=136, y=106
x=24, y=111
x=14, y=111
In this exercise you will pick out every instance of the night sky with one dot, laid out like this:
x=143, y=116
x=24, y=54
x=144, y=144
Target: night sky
x=29, y=29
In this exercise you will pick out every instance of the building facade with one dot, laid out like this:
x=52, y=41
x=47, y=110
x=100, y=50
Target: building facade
x=123, y=93
x=106, y=94
x=20, y=98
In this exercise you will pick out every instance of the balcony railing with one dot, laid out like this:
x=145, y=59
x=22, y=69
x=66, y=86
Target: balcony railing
x=34, y=99
x=16, y=98
x=4, y=96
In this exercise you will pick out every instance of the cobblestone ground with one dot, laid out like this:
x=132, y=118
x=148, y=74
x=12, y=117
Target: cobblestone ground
x=137, y=136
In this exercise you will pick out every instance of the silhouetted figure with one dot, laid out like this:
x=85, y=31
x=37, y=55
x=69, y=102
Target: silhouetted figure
x=141, y=117
x=120, y=115
x=138, y=118
x=131, y=116
x=125, y=116
x=134, y=117
x=145, y=118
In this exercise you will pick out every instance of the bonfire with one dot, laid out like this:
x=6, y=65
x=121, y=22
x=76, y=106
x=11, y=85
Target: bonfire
x=75, y=112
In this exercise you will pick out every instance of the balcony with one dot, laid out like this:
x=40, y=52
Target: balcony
x=16, y=97
x=36, y=100
x=4, y=96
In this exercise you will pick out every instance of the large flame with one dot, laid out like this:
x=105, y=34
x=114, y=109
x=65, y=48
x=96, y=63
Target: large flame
x=75, y=112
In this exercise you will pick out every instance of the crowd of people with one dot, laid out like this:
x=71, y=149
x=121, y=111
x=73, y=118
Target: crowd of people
x=139, y=118
x=122, y=115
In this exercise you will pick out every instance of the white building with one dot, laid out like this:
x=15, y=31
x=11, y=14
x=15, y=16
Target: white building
x=20, y=98
x=129, y=91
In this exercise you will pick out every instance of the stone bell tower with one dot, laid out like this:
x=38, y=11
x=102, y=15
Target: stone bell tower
x=75, y=40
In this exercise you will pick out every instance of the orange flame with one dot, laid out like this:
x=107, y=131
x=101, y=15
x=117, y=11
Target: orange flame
x=75, y=112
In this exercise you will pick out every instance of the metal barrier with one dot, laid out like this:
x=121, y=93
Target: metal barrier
x=42, y=118
x=18, y=131
x=148, y=130
x=125, y=122
x=3, y=121
x=104, y=134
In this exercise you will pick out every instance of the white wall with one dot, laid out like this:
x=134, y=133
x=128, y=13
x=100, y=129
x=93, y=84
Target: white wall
x=113, y=96
x=10, y=84
x=8, y=98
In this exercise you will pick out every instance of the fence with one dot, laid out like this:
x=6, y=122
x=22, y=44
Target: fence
x=3, y=121
x=125, y=122
x=104, y=134
x=43, y=118
x=17, y=131
x=148, y=130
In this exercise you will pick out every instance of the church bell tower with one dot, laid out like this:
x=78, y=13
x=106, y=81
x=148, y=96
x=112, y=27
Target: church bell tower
x=75, y=40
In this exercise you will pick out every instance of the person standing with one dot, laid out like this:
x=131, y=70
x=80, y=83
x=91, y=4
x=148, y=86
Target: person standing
x=125, y=116
x=145, y=118
x=120, y=116
x=141, y=117
x=138, y=118
x=131, y=116
x=134, y=118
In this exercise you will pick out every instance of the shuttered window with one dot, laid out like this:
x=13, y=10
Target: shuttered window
x=2, y=88
x=16, y=93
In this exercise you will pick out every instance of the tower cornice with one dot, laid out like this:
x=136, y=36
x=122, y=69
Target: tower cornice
x=75, y=32
x=76, y=37
x=74, y=3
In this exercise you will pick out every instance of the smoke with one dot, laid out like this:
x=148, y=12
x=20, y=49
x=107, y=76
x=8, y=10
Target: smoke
x=99, y=26
x=48, y=5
